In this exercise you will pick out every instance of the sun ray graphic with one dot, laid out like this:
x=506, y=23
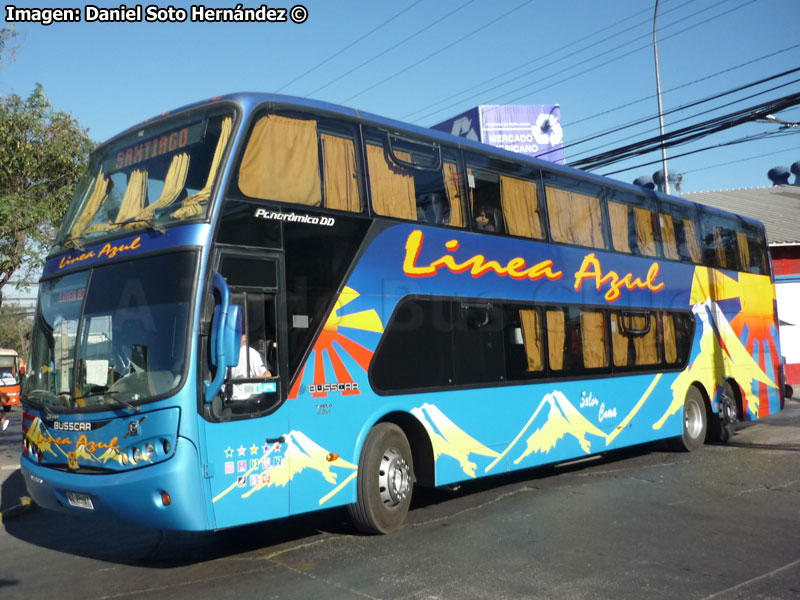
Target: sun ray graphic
x=332, y=343
x=735, y=347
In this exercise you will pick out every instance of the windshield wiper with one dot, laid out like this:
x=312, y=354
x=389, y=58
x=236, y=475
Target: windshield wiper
x=151, y=223
x=114, y=401
x=74, y=243
x=40, y=404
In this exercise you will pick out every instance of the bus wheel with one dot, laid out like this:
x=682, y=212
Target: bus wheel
x=725, y=425
x=385, y=480
x=695, y=422
x=7, y=408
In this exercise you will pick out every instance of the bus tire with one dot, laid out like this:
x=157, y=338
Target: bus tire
x=722, y=425
x=385, y=481
x=7, y=408
x=695, y=422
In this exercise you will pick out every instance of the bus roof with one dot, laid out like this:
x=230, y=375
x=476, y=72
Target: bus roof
x=7, y=352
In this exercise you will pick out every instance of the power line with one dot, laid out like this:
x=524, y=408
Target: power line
x=690, y=133
x=462, y=38
x=643, y=47
x=535, y=60
x=400, y=43
x=730, y=143
x=596, y=56
x=348, y=46
x=681, y=86
x=682, y=108
x=733, y=162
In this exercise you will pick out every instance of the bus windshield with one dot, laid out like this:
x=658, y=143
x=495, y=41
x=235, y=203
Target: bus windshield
x=150, y=177
x=112, y=336
x=8, y=369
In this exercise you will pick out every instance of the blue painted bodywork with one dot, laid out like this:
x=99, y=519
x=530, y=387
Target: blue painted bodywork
x=304, y=456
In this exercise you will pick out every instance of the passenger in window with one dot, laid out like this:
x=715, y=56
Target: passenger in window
x=258, y=368
x=483, y=220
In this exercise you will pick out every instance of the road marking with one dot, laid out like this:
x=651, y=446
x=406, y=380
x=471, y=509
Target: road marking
x=753, y=580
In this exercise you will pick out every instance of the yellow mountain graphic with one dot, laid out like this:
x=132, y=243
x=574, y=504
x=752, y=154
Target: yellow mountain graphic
x=449, y=439
x=301, y=453
x=562, y=419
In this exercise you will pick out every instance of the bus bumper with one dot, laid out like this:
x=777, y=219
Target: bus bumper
x=134, y=496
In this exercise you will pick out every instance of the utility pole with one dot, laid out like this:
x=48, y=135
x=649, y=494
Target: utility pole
x=660, y=111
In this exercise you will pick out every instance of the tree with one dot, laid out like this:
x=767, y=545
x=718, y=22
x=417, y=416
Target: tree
x=42, y=155
x=6, y=35
x=15, y=328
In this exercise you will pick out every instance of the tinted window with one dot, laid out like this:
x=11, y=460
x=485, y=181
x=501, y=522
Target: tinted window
x=301, y=160
x=414, y=180
x=575, y=212
x=416, y=350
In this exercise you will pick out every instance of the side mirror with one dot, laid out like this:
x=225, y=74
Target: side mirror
x=226, y=333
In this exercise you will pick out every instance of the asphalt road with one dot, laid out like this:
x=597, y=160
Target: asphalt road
x=723, y=522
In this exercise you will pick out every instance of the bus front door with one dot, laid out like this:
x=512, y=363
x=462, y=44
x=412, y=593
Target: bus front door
x=246, y=442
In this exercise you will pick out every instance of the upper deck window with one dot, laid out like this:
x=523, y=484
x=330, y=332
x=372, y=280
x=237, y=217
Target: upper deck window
x=414, y=180
x=679, y=232
x=301, y=161
x=632, y=223
x=504, y=198
x=575, y=211
x=154, y=176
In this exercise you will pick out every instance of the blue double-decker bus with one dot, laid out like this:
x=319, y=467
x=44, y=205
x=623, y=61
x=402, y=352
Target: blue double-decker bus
x=260, y=306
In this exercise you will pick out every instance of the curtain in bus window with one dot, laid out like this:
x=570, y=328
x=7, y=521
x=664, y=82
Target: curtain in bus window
x=645, y=346
x=452, y=183
x=575, y=218
x=392, y=186
x=744, y=251
x=593, y=340
x=644, y=231
x=619, y=342
x=668, y=237
x=173, y=185
x=618, y=214
x=340, y=173
x=670, y=345
x=191, y=205
x=529, y=319
x=692, y=243
x=555, y=339
x=521, y=207
x=98, y=196
x=135, y=195
x=719, y=248
x=281, y=161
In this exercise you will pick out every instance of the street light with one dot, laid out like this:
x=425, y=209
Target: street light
x=660, y=111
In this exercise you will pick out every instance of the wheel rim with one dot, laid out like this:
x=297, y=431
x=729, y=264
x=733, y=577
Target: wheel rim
x=728, y=406
x=394, y=478
x=692, y=419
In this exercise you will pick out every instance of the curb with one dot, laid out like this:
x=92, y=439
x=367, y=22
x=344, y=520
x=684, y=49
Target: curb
x=25, y=504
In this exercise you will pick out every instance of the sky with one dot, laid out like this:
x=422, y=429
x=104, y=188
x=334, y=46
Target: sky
x=423, y=61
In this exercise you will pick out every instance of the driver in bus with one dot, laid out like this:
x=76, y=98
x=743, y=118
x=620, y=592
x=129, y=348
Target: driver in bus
x=258, y=368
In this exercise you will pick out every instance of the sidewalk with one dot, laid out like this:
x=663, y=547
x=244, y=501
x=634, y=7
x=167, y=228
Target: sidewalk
x=13, y=495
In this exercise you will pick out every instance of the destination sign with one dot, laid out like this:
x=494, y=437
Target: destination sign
x=170, y=141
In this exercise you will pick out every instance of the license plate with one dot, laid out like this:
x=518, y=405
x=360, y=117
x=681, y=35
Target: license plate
x=80, y=500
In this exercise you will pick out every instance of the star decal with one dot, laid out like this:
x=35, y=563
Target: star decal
x=228, y=452
x=253, y=449
x=242, y=450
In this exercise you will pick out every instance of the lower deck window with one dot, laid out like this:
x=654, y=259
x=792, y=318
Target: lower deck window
x=439, y=343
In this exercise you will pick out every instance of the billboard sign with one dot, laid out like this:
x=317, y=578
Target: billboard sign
x=534, y=130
